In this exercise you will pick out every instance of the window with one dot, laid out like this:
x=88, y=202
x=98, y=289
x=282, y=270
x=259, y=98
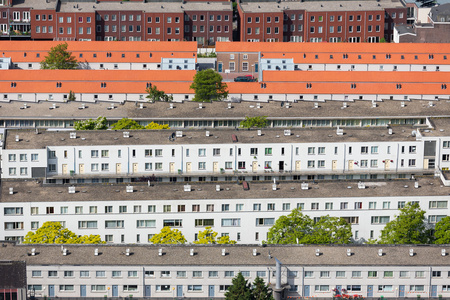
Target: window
x=52, y=273
x=84, y=273
x=161, y=288
x=436, y=274
x=438, y=204
x=167, y=208
x=265, y=221
x=66, y=287
x=373, y=274
x=257, y=206
x=321, y=288
x=356, y=274
x=315, y=206
x=197, y=274
x=173, y=223
x=130, y=288
x=386, y=204
x=145, y=223
x=114, y=224
x=231, y=222
x=416, y=288
x=229, y=273
x=268, y=151
x=374, y=149
x=380, y=219
x=388, y=274
x=420, y=274
x=385, y=288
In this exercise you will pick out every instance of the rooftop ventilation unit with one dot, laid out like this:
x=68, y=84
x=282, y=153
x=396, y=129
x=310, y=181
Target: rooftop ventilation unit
x=349, y=252
x=402, y=104
x=224, y=252
x=229, y=105
x=258, y=105
x=11, y=191
x=416, y=185
x=141, y=105
x=33, y=251
x=274, y=187
x=129, y=188
x=234, y=138
x=288, y=105
x=64, y=251
x=390, y=131
x=17, y=138
x=443, y=252
x=127, y=252
x=317, y=252
x=179, y=134
x=160, y=252
x=200, y=105
x=126, y=134
x=217, y=188
x=304, y=186
x=53, y=106
x=207, y=133
x=255, y=252
x=73, y=135
x=96, y=252
x=380, y=252
x=430, y=104
x=344, y=105
x=25, y=106
x=411, y=252
x=361, y=185
x=316, y=105
x=287, y=132
x=339, y=131
x=191, y=252
x=71, y=190
x=259, y=132
x=187, y=188
x=374, y=104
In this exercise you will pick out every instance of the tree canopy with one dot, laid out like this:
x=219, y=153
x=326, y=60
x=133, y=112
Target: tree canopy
x=126, y=123
x=168, y=236
x=156, y=95
x=208, y=86
x=54, y=233
x=59, y=58
x=442, y=231
x=99, y=124
x=240, y=289
x=209, y=236
x=255, y=122
x=260, y=290
x=154, y=126
x=407, y=228
x=297, y=228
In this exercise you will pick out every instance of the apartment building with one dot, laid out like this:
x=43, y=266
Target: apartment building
x=203, y=22
x=206, y=271
x=317, y=21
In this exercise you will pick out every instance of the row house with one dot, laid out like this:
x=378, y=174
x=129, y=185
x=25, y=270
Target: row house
x=192, y=271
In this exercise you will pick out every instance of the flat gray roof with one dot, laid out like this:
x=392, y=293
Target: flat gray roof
x=211, y=255
x=318, y=6
x=218, y=110
x=28, y=139
x=27, y=191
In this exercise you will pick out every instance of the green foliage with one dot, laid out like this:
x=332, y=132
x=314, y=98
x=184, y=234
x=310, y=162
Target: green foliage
x=209, y=236
x=156, y=95
x=407, y=228
x=442, y=231
x=72, y=96
x=239, y=290
x=99, y=124
x=59, y=58
x=54, y=233
x=210, y=54
x=297, y=228
x=168, y=236
x=260, y=290
x=256, y=122
x=154, y=125
x=208, y=86
x=126, y=123
x=382, y=40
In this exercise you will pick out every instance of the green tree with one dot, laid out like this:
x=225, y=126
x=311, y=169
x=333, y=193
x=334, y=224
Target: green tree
x=442, y=231
x=239, y=290
x=154, y=125
x=59, y=58
x=168, y=236
x=54, y=233
x=260, y=290
x=126, y=123
x=156, y=95
x=209, y=236
x=72, y=96
x=297, y=228
x=208, y=86
x=331, y=230
x=407, y=228
x=257, y=122
x=99, y=124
